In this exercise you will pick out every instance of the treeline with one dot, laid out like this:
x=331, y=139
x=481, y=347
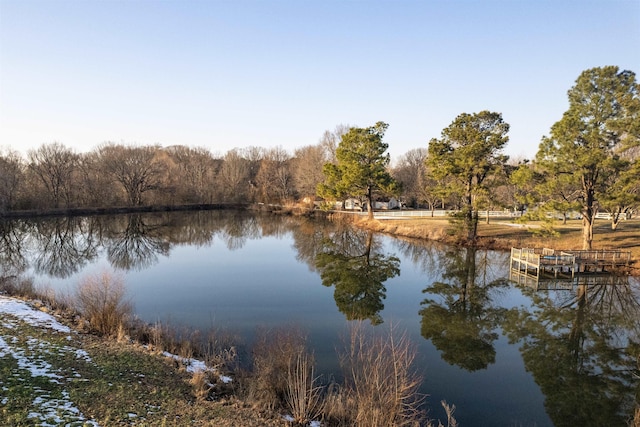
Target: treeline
x=54, y=176
x=588, y=163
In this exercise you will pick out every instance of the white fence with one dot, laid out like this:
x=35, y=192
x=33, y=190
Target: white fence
x=425, y=213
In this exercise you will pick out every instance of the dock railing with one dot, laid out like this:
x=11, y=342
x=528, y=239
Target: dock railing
x=607, y=257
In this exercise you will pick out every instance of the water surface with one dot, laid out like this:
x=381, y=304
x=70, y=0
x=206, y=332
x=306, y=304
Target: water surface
x=504, y=354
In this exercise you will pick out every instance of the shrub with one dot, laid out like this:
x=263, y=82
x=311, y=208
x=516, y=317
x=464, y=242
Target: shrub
x=380, y=379
x=101, y=300
x=303, y=395
x=18, y=286
x=274, y=352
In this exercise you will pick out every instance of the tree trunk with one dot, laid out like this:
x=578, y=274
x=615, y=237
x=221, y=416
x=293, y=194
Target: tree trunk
x=615, y=220
x=588, y=216
x=370, y=203
x=587, y=232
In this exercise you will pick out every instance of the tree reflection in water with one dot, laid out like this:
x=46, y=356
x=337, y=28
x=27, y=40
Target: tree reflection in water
x=63, y=246
x=60, y=247
x=352, y=262
x=459, y=316
x=12, y=241
x=582, y=347
x=137, y=244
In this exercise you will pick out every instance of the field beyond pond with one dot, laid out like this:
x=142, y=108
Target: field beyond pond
x=503, y=234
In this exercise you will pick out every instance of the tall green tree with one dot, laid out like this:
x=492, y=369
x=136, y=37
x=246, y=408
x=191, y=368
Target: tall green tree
x=465, y=157
x=584, y=148
x=623, y=191
x=361, y=168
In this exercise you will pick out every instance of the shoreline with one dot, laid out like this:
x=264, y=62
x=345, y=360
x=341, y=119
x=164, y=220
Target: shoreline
x=492, y=237
x=499, y=235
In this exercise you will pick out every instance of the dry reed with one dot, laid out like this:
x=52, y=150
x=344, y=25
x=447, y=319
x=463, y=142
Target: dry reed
x=380, y=379
x=101, y=300
x=303, y=395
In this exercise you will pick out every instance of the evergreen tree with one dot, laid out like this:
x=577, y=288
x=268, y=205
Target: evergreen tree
x=469, y=153
x=361, y=168
x=585, y=147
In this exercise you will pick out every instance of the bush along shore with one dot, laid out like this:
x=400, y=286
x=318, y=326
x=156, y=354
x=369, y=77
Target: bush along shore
x=83, y=359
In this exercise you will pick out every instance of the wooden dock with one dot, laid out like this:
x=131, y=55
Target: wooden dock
x=551, y=263
x=567, y=283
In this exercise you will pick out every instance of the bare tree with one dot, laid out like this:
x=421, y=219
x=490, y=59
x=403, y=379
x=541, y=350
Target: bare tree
x=254, y=156
x=307, y=169
x=54, y=166
x=11, y=178
x=330, y=140
x=97, y=186
x=234, y=176
x=411, y=173
x=136, y=168
x=274, y=178
x=196, y=170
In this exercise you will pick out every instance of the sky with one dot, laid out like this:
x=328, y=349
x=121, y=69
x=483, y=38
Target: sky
x=279, y=73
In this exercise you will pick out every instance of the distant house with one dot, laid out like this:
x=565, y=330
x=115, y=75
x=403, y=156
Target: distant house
x=353, y=204
x=392, y=203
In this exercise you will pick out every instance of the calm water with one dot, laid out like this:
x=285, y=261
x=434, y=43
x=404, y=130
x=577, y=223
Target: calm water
x=504, y=354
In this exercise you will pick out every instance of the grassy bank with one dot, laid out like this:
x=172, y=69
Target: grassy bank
x=59, y=376
x=503, y=234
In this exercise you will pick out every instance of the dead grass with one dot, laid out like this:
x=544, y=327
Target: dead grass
x=101, y=300
x=274, y=353
x=380, y=379
x=303, y=396
x=502, y=234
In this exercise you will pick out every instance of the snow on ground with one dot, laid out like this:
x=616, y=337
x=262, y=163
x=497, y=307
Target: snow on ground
x=30, y=315
x=46, y=409
x=194, y=365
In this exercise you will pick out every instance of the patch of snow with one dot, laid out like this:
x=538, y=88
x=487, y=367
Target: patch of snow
x=36, y=367
x=8, y=325
x=82, y=354
x=59, y=411
x=30, y=315
x=290, y=419
x=195, y=365
x=192, y=365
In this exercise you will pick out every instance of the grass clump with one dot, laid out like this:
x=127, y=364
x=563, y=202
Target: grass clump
x=101, y=300
x=273, y=355
x=381, y=385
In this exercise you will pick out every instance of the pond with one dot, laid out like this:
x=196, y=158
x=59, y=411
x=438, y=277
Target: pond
x=560, y=353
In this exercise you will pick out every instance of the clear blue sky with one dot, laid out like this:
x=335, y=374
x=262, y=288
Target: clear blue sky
x=225, y=74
